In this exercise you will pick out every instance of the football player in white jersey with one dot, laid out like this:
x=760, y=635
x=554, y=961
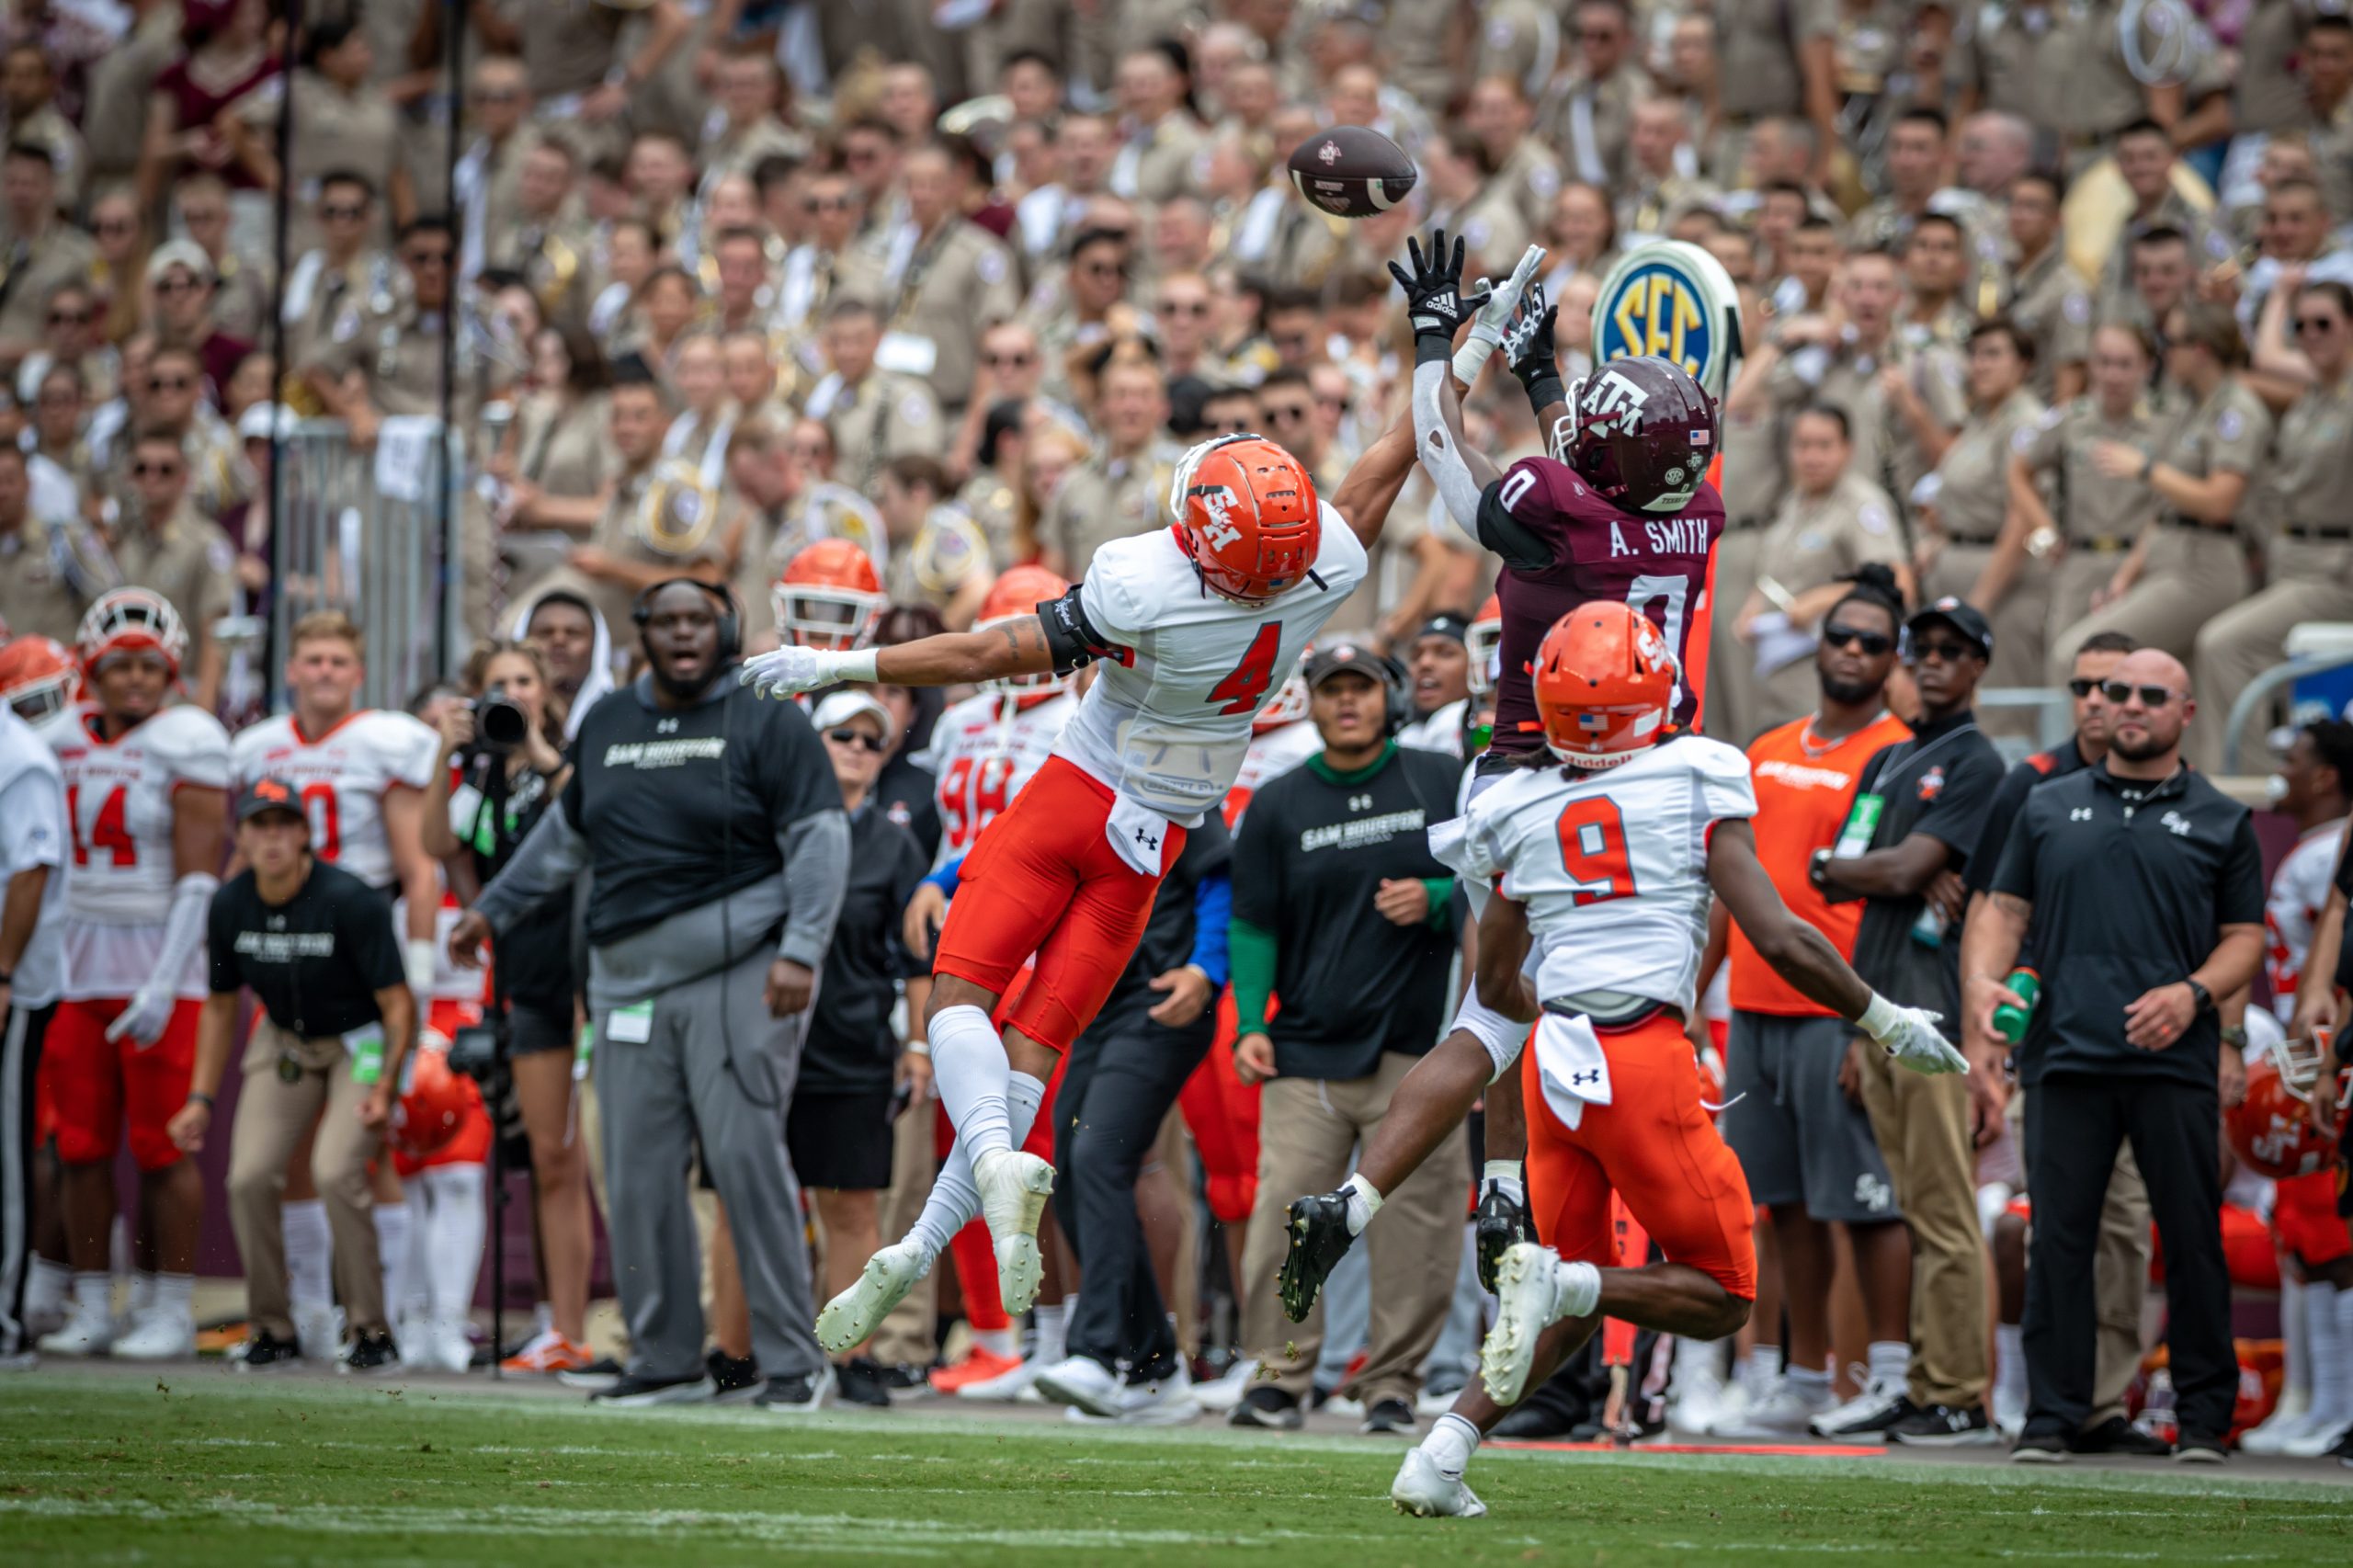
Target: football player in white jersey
x=1607, y=850
x=1196, y=626
x=985, y=750
x=146, y=795
x=1281, y=737
x=362, y=773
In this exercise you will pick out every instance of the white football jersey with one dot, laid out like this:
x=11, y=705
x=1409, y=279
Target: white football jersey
x=2299, y=892
x=343, y=777
x=1612, y=866
x=984, y=751
x=1269, y=756
x=118, y=802
x=1167, y=726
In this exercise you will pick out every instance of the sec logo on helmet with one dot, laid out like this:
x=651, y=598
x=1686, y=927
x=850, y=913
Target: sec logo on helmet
x=1675, y=301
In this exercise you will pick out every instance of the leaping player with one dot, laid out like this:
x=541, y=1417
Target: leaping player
x=1195, y=627
x=1604, y=849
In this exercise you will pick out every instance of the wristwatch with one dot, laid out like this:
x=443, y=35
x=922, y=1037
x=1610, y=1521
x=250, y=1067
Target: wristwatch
x=2201, y=995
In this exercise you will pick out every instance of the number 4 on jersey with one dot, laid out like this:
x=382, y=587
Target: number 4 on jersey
x=1593, y=849
x=108, y=833
x=1244, y=688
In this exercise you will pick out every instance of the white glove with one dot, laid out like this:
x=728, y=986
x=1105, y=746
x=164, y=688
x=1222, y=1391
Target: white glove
x=1495, y=317
x=145, y=1015
x=788, y=672
x=1910, y=1035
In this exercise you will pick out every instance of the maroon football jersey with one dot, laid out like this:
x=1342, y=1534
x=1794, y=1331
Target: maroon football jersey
x=1658, y=564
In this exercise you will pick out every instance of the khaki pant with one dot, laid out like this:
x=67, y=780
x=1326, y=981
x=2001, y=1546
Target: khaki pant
x=1732, y=710
x=2193, y=575
x=2311, y=580
x=905, y=1339
x=1308, y=1129
x=2075, y=578
x=273, y=1117
x=2021, y=623
x=1922, y=1124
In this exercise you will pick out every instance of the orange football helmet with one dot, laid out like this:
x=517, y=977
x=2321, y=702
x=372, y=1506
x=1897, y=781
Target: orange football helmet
x=127, y=618
x=1485, y=641
x=828, y=597
x=2270, y=1129
x=1605, y=684
x=434, y=1101
x=1247, y=517
x=1018, y=591
x=37, y=677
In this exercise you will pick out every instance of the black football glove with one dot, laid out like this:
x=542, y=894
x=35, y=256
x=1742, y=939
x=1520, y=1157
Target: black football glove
x=1528, y=348
x=1434, y=297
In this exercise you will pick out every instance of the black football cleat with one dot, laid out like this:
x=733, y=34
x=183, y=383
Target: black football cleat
x=1500, y=1224
x=1318, y=1229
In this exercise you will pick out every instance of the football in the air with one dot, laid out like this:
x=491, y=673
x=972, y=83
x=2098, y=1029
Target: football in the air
x=1352, y=172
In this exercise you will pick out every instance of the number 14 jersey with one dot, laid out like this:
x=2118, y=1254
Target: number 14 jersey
x=1612, y=866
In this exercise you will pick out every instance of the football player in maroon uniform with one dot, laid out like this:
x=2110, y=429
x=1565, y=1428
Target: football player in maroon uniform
x=1625, y=512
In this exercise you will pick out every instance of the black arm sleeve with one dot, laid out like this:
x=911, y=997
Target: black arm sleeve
x=1522, y=548
x=1070, y=636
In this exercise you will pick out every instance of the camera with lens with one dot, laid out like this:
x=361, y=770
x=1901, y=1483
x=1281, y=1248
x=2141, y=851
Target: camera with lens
x=474, y=1051
x=500, y=727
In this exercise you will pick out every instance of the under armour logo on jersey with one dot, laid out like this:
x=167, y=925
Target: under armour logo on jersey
x=1149, y=840
x=1585, y=1077
x=1217, y=502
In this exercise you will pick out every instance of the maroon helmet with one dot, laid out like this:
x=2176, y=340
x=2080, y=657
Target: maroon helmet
x=1645, y=434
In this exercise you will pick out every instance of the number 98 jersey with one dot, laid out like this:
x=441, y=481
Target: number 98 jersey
x=1612, y=866
x=984, y=755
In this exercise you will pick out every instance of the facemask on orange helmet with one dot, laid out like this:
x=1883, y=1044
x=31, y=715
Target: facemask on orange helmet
x=829, y=597
x=125, y=621
x=37, y=677
x=1604, y=685
x=1246, y=516
x=1485, y=642
x=1019, y=593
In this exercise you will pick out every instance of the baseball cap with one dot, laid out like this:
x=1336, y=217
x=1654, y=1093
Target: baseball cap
x=1959, y=613
x=180, y=252
x=267, y=794
x=1445, y=623
x=1330, y=658
x=840, y=707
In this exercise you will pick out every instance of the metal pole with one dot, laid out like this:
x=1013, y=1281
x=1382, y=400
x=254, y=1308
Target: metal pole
x=284, y=220
x=453, y=39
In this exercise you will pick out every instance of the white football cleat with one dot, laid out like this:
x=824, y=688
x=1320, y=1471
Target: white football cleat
x=161, y=1334
x=86, y=1333
x=2285, y=1421
x=851, y=1318
x=1699, y=1400
x=1014, y=1189
x=1163, y=1402
x=1005, y=1387
x=448, y=1346
x=1082, y=1383
x=1222, y=1393
x=319, y=1330
x=1526, y=1298
x=1782, y=1411
x=2321, y=1432
x=1421, y=1491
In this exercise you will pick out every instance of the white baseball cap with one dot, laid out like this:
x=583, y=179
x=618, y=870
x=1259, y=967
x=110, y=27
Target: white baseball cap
x=839, y=707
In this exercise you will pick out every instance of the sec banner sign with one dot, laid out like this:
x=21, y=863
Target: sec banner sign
x=1674, y=300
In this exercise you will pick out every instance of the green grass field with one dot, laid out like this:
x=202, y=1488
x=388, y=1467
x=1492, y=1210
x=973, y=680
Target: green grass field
x=201, y=1467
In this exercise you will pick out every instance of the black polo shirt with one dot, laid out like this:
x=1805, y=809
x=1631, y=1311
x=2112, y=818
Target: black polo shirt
x=852, y=1047
x=315, y=962
x=2003, y=810
x=1939, y=782
x=2131, y=883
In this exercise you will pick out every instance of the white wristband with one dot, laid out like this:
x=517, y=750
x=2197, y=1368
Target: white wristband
x=1879, y=1019
x=418, y=965
x=918, y=1048
x=1471, y=359
x=859, y=665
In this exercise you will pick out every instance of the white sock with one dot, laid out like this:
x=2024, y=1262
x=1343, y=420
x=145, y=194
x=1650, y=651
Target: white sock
x=996, y=1341
x=1813, y=1382
x=2009, y=1357
x=392, y=1249
x=142, y=1293
x=1891, y=1361
x=174, y=1296
x=1763, y=1366
x=2296, y=1376
x=1364, y=1202
x=1051, y=1326
x=954, y=1198
x=47, y=1288
x=1576, y=1289
x=1450, y=1444
x=969, y=1066
x=309, y=1252
x=1503, y=1176
x=2331, y=1354
x=93, y=1295
x=453, y=1236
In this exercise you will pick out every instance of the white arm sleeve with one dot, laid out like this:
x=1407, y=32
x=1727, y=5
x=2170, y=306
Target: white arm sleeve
x=184, y=926
x=1447, y=470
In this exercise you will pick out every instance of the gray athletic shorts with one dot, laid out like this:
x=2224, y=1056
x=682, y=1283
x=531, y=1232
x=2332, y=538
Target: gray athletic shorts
x=1799, y=1139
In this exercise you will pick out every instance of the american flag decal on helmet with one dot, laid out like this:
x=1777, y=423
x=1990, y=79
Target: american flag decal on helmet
x=1701, y=437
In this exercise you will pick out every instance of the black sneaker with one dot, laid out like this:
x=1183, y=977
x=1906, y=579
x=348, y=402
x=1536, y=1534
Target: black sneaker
x=2039, y=1448
x=1529, y=1421
x=1388, y=1417
x=2343, y=1452
x=594, y=1378
x=802, y=1393
x=264, y=1352
x=905, y=1375
x=1267, y=1407
x=2117, y=1436
x=1499, y=1224
x=630, y=1393
x=373, y=1353
x=734, y=1379
x=1944, y=1426
x=862, y=1382
x=1318, y=1229
x=2196, y=1448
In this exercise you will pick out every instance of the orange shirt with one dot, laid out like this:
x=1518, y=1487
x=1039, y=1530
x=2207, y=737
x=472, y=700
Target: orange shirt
x=1803, y=798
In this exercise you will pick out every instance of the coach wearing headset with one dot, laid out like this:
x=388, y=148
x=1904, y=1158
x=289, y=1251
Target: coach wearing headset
x=719, y=849
x=1335, y=857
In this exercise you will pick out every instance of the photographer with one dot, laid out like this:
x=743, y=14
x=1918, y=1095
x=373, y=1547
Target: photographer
x=315, y=944
x=715, y=831
x=507, y=743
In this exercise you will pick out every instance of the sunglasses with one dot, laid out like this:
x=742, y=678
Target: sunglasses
x=1232, y=426
x=171, y=384
x=156, y=471
x=1104, y=270
x=2123, y=692
x=1008, y=361
x=2316, y=325
x=848, y=737
x=1944, y=653
x=1871, y=643
x=1286, y=411
x=343, y=213
x=1185, y=307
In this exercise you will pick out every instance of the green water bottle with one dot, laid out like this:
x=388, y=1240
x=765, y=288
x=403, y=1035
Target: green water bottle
x=367, y=1048
x=2010, y=1019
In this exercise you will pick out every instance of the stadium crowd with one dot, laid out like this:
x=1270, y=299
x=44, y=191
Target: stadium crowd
x=839, y=324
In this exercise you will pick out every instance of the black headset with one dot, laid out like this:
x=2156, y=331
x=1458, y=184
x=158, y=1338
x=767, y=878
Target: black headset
x=731, y=620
